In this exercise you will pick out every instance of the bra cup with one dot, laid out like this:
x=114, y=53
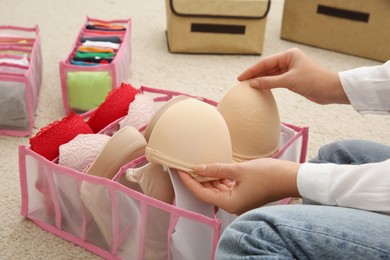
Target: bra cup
x=187, y=133
x=158, y=114
x=154, y=181
x=123, y=147
x=253, y=120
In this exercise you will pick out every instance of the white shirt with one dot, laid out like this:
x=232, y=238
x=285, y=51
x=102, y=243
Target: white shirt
x=364, y=186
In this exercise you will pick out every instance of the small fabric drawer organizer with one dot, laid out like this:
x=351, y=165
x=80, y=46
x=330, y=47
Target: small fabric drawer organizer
x=99, y=61
x=115, y=219
x=20, y=78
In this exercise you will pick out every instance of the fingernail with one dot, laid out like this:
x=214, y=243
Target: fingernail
x=200, y=167
x=254, y=84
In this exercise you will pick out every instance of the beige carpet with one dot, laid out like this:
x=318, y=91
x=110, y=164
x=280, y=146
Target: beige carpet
x=152, y=65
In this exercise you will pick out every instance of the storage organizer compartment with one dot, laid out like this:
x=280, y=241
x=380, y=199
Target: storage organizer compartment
x=100, y=59
x=215, y=26
x=114, y=219
x=20, y=79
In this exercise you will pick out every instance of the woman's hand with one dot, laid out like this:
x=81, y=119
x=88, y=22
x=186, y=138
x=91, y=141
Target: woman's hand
x=295, y=71
x=244, y=186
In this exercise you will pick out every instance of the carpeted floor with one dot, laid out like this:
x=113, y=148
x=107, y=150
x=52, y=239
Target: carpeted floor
x=153, y=65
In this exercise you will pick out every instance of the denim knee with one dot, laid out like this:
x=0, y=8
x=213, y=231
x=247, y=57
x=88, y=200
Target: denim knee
x=352, y=152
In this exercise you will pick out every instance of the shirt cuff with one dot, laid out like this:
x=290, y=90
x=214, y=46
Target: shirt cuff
x=313, y=182
x=367, y=88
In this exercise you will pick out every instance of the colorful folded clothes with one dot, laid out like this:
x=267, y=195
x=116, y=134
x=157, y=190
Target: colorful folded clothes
x=95, y=65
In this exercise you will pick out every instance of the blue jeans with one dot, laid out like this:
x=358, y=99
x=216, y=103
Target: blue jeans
x=313, y=231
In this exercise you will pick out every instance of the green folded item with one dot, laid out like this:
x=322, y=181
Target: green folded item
x=102, y=55
x=87, y=89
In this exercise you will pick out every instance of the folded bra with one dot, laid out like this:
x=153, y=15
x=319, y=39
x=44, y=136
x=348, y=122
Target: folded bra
x=48, y=140
x=115, y=106
x=81, y=151
x=140, y=112
x=153, y=180
x=123, y=147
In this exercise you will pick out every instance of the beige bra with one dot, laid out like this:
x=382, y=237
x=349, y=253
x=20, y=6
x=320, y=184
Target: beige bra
x=123, y=147
x=253, y=121
x=186, y=132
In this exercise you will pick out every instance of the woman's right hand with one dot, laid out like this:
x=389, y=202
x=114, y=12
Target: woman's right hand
x=295, y=71
x=244, y=186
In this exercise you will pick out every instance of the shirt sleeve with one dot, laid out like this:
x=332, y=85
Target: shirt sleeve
x=368, y=88
x=365, y=186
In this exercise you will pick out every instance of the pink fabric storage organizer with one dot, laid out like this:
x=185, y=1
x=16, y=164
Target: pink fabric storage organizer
x=77, y=96
x=137, y=226
x=20, y=78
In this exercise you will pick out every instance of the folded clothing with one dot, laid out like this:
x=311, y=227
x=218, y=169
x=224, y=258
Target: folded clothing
x=87, y=89
x=48, y=140
x=96, y=60
x=13, y=108
x=97, y=49
x=100, y=55
x=105, y=26
x=94, y=49
x=101, y=44
x=15, y=59
x=83, y=63
x=13, y=69
x=113, y=39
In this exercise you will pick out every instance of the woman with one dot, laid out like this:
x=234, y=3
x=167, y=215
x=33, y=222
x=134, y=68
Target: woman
x=345, y=189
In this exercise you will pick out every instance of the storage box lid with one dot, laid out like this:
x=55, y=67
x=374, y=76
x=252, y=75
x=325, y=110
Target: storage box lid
x=246, y=9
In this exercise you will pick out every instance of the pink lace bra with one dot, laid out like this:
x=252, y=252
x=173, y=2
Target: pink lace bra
x=82, y=150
